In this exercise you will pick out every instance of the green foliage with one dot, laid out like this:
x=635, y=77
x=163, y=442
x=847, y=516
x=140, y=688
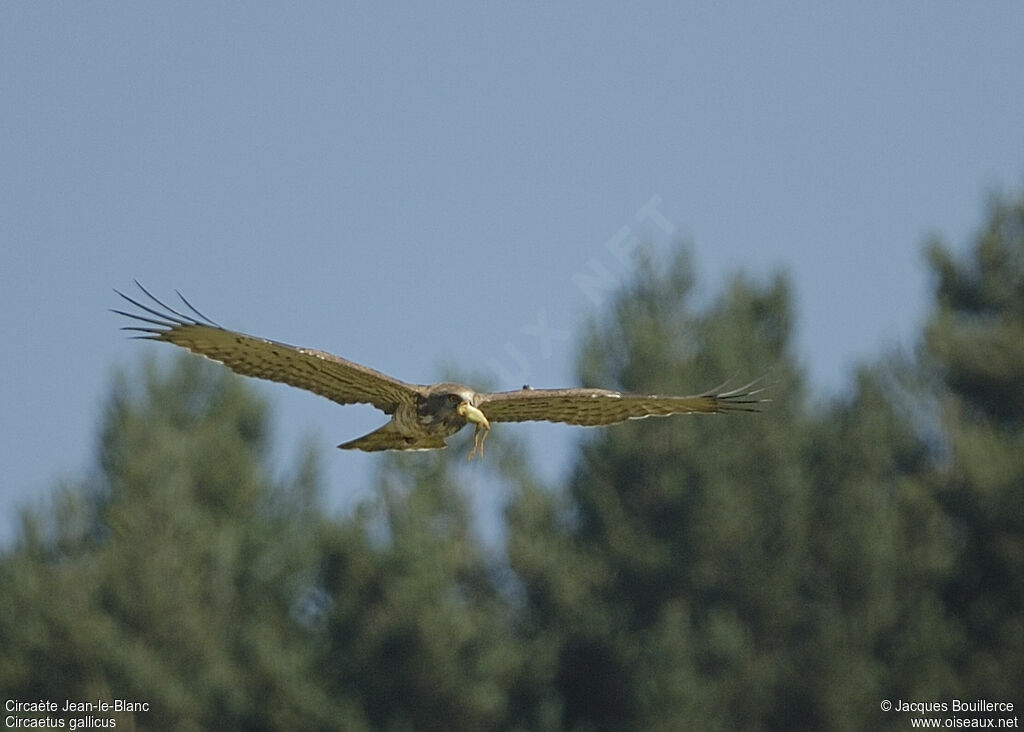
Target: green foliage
x=878, y=547
x=974, y=340
x=418, y=632
x=784, y=570
x=171, y=577
x=687, y=534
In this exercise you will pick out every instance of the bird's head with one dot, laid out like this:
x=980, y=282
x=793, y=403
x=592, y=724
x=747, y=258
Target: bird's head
x=454, y=405
x=448, y=403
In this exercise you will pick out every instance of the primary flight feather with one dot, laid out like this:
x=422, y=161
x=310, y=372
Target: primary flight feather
x=422, y=416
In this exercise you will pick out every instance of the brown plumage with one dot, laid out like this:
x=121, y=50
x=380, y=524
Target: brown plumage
x=422, y=416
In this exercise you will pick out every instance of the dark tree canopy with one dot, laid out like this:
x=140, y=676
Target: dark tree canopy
x=974, y=341
x=786, y=570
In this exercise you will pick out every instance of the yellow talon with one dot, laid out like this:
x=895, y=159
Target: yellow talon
x=483, y=427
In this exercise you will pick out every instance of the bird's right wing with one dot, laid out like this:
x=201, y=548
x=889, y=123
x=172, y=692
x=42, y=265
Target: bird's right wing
x=342, y=381
x=596, y=407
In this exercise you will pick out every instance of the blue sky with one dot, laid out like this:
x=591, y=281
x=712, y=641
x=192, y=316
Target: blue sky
x=413, y=186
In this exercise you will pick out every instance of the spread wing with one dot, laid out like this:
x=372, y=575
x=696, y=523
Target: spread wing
x=339, y=380
x=594, y=407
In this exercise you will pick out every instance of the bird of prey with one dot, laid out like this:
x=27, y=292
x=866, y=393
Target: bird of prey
x=422, y=416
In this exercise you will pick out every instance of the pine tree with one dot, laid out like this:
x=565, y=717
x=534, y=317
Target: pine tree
x=418, y=631
x=783, y=570
x=674, y=600
x=974, y=343
x=774, y=571
x=176, y=575
x=879, y=552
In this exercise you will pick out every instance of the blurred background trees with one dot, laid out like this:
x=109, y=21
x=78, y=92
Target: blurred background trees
x=787, y=570
x=974, y=343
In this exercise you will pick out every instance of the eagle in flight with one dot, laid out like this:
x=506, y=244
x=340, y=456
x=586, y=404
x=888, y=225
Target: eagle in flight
x=422, y=416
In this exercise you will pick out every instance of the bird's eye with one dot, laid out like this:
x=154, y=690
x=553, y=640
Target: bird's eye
x=453, y=398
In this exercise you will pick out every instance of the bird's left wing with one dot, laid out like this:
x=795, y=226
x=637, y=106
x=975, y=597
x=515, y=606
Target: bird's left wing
x=595, y=407
x=342, y=381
